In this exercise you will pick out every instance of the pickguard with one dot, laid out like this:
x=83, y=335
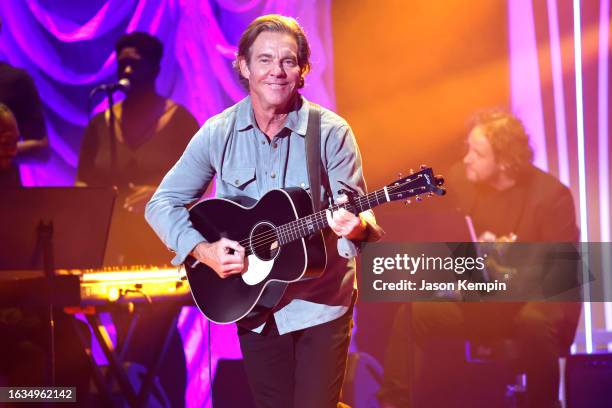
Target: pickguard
x=257, y=271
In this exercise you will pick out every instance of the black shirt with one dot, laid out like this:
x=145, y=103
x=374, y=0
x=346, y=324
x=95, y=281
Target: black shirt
x=164, y=137
x=538, y=208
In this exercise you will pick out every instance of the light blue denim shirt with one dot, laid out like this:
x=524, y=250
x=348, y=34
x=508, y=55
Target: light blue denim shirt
x=231, y=148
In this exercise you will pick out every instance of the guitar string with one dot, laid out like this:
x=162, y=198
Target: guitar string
x=295, y=227
x=300, y=229
x=288, y=230
x=299, y=225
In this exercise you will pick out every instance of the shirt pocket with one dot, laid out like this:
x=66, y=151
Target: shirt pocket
x=240, y=180
x=297, y=180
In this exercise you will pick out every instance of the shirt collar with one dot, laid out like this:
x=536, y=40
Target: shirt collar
x=244, y=117
x=297, y=120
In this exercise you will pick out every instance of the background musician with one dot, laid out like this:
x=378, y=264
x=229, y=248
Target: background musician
x=508, y=199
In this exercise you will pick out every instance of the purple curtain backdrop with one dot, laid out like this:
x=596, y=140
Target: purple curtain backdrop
x=68, y=48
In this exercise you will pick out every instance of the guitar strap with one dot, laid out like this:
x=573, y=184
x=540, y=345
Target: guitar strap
x=313, y=154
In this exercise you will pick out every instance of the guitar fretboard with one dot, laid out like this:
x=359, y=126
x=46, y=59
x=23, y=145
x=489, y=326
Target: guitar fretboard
x=303, y=227
x=315, y=222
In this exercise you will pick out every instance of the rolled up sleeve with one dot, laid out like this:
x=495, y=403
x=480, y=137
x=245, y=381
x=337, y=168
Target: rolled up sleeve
x=343, y=163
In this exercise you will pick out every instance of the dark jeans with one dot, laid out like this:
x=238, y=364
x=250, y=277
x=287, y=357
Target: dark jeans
x=301, y=369
x=538, y=329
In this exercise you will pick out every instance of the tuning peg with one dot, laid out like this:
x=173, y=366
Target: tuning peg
x=411, y=171
x=419, y=198
x=438, y=190
x=407, y=202
x=399, y=175
x=439, y=180
x=423, y=166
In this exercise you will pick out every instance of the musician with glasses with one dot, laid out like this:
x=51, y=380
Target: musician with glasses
x=297, y=357
x=509, y=200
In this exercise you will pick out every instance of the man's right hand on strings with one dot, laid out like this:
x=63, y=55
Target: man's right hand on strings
x=225, y=257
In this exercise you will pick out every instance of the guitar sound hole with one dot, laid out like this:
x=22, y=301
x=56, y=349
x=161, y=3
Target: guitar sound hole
x=264, y=241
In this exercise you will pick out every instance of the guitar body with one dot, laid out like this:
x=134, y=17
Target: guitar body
x=271, y=266
x=283, y=243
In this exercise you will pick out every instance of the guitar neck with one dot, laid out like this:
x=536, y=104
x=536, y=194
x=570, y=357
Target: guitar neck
x=315, y=222
x=423, y=182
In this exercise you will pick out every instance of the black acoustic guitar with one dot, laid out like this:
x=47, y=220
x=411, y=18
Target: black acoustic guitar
x=283, y=242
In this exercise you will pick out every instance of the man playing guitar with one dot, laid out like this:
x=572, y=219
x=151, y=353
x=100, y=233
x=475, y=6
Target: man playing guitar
x=297, y=357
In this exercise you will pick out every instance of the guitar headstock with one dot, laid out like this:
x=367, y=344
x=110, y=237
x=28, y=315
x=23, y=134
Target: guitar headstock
x=419, y=184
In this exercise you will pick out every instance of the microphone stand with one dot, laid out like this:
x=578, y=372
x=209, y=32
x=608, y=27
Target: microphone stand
x=123, y=84
x=112, y=134
x=44, y=233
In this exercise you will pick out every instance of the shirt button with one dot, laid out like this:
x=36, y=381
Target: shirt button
x=236, y=181
x=274, y=145
x=263, y=142
x=273, y=174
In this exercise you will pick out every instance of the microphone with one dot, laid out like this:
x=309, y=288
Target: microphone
x=122, y=85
